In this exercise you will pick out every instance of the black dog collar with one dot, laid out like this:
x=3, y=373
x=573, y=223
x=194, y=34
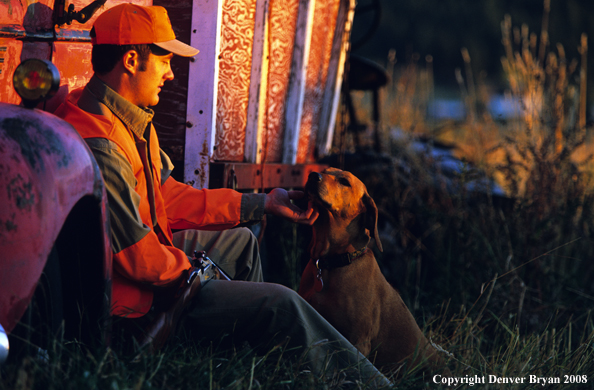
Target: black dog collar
x=341, y=260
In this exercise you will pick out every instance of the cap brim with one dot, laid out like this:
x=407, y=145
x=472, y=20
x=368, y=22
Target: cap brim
x=177, y=47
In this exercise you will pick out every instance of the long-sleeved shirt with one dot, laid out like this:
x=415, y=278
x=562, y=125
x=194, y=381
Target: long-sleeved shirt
x=145, y=203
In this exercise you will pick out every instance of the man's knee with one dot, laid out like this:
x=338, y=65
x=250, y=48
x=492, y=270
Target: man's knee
x=286, y=301
x=246, y=236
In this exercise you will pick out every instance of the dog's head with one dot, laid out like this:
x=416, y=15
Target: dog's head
x=348, y=215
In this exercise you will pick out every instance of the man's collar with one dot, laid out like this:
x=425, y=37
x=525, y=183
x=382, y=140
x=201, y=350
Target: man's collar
x=134, y=117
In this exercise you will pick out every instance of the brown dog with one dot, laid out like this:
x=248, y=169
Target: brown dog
x=343, y=280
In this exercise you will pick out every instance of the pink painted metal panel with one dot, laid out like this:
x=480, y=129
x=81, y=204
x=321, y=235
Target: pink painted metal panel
x=283, y=19
x=324, y=23
x=45, y=170
x=235, y=61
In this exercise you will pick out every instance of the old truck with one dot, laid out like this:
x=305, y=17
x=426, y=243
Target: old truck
x=252, y=111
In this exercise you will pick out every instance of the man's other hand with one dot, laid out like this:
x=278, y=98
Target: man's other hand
x=278, y=202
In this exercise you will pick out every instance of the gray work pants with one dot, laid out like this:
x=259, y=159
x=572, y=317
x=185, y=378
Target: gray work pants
x=265, y=314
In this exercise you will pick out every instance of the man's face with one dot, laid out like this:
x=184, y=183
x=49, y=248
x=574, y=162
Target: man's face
x=147, y=83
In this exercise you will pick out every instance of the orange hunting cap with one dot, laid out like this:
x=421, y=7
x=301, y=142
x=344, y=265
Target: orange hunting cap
x=130, y=24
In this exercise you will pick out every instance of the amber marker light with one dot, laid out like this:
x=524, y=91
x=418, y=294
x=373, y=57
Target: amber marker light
x=36, y=80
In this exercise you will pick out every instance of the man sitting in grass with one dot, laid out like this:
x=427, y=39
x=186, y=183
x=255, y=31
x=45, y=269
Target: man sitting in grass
x=132, y=50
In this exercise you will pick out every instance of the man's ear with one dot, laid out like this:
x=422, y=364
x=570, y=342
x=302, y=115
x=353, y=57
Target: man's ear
x=131, y=61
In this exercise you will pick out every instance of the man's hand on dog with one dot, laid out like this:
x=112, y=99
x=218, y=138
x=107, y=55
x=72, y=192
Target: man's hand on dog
x=278, y=202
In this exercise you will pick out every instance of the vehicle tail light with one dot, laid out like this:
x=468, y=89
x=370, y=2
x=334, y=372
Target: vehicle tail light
x=36, y=80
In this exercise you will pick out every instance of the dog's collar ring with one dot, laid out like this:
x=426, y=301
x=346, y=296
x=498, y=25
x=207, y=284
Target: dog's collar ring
x=319, y=282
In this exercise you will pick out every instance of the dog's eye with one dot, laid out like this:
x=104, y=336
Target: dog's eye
x=344, y=182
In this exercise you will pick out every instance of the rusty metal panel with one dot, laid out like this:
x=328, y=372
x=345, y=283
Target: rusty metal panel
x=80, y=4
x=27, y=31
x=282, y=26
x=324, y=23
x=235, y=59
x=10, y=54
x=37, y=15
x=71, y=52
x=12, y=12
x=32, y=15
x=73, y=60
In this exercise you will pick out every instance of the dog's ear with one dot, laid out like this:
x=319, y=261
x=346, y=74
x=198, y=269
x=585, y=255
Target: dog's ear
x=371, y=219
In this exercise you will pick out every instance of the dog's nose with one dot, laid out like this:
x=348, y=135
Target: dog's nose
x=314, y=177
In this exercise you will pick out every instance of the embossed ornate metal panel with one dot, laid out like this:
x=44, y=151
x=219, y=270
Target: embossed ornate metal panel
x=235, y=59
x=282, y=26
x=264, y=84
x=317, y=71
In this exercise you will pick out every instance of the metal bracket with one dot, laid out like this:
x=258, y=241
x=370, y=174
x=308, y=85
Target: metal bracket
x=81, y=16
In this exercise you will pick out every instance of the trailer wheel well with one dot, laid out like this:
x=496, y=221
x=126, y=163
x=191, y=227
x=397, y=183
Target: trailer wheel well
x=85, y=291
x=71, y=297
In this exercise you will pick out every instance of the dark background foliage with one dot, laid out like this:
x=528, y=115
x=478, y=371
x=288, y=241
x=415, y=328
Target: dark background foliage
x=440, y=28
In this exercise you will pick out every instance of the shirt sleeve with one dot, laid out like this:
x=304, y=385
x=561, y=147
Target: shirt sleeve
x=218, y=209
x=138, y=253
